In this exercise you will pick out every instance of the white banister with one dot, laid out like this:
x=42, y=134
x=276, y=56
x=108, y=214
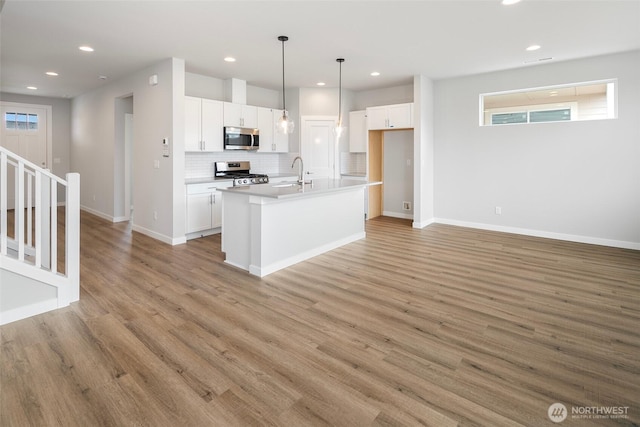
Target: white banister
x=19, y=211
x=35, y=207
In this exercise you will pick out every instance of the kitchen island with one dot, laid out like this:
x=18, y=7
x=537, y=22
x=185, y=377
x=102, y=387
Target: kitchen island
x=267, y=227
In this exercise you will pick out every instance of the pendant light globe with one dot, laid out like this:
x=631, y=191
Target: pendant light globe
x=284, y=123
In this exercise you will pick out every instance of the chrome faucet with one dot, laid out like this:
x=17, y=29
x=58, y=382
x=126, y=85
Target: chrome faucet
x=300, y=169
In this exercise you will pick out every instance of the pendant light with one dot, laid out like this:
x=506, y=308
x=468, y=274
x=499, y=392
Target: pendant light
x=284, y=123
x=339, y=127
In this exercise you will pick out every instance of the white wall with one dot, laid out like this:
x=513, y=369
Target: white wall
x=384, y=96
x=159, y=113
x=577, y=181
x=213, y=88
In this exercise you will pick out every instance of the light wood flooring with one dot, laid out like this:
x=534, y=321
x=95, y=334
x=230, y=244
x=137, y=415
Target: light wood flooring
x=442, y=326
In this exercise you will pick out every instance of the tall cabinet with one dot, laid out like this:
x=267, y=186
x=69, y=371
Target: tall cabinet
x=203, y=124
x=271, y=141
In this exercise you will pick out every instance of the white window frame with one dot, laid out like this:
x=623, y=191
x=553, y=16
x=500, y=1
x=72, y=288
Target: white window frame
x=612, y=103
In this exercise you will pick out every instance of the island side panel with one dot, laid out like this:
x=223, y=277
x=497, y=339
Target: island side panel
x=287, y=231
x=236, y=230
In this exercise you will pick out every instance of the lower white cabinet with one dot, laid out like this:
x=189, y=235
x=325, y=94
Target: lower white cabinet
x=204, y=208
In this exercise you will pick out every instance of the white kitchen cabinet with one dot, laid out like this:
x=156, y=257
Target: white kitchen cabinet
x=271, y=141
x=204, y=208
x=240, y=115
x=398, y=116
x=357, y=132
x=203, y=125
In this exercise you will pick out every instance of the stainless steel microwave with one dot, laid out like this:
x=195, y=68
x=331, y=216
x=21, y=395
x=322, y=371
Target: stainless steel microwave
x=241, y=138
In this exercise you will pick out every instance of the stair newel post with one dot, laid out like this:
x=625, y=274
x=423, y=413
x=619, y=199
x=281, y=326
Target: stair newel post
x=72, y=229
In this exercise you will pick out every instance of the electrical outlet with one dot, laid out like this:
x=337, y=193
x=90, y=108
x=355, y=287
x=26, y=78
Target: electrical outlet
x=155, y=215
x=498, y=210
x=406, y=206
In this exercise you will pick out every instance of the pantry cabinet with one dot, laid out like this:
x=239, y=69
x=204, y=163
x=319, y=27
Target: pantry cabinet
x=357, y=132
x=203, y=125
x=398, y=116
x=271, y=141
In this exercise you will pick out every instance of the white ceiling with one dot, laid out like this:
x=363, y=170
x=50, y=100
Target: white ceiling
x=437, y=38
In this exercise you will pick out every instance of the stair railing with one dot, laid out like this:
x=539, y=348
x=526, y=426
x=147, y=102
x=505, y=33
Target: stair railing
x=33, y=248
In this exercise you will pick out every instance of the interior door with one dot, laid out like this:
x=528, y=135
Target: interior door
x=24, y=132
x=318, y=148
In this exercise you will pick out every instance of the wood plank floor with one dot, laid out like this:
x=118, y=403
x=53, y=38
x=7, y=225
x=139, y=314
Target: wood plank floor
x=442, y=326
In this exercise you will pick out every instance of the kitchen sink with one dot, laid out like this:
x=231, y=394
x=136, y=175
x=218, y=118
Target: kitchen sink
x=285, y=184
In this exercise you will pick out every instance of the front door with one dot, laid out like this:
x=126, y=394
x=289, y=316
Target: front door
x=24, y=132
x=318, y=147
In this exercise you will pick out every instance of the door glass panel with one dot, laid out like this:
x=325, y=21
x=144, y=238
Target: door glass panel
x=10, y=120
x=33, y=122
x=21, y=121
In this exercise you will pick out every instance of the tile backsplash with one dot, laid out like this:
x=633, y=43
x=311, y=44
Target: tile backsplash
x=200, y=165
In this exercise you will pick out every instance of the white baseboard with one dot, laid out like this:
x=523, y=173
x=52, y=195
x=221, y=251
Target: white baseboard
x=97, y=213
x=268, y=269
x=422, y=224
x=546, y=234
x=398, y=214
x=23, y=312
x=158, y=236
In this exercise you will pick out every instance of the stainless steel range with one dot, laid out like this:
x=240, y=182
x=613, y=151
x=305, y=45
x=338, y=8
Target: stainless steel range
x=240, y=172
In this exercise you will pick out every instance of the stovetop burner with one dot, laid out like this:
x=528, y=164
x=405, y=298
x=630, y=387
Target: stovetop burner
x=239, y=172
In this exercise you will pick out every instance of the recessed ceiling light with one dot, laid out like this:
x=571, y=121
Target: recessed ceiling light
x=320, y=84
x=86, y=48
x=533, y=47
x=230, y=59
x=51, y=73
x=375, y=74
x=32, y=88
x=510, y=2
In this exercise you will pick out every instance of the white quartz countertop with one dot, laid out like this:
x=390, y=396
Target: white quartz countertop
x=291, y=189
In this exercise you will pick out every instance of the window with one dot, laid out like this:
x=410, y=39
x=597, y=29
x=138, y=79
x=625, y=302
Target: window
x=578, y=101
x=21, y=121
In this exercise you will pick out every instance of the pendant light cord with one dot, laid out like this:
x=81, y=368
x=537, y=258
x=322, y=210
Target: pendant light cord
x=284, y=105
x=340, y=95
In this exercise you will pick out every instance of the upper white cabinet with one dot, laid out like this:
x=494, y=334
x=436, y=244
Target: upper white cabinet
x=240, y=115
x=271, y=141
x=203, y=125
x=396, y=116
x=357, y=131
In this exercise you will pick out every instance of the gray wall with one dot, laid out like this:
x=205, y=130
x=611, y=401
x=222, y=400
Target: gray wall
x=95, y=153
x=573, y=180
x=398, y=175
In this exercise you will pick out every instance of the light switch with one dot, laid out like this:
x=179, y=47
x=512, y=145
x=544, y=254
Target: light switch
x=156, y=164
